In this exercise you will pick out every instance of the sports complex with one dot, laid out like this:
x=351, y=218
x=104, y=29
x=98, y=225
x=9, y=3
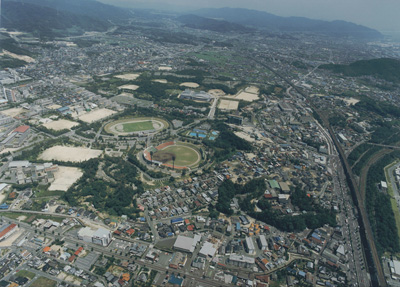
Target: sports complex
x=136, y=126
x=178, y=154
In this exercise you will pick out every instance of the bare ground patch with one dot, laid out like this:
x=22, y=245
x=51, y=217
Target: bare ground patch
x=65, y=177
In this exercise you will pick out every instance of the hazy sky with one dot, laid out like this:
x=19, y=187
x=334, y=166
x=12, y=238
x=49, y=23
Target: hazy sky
x=382, y=15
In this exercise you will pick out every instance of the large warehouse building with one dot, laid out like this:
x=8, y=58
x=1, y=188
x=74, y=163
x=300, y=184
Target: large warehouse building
x=186, y=244
x=7, y=230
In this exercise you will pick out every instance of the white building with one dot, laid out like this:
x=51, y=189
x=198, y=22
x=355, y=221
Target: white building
x=207, y=250
x=100, y=236
x=395, y=269
x=186, y=244
x=241, y=260
x=250, y=245
x=262, y=242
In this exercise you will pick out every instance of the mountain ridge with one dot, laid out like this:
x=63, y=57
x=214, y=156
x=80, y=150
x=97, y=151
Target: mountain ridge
x=265, y=20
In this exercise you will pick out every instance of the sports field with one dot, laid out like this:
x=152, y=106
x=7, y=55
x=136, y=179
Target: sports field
x=138, y=126
x=130, y=126
x=185, y=156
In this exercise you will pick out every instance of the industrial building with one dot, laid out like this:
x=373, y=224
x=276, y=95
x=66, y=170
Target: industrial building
x=100, y=236
x=186, y=244
x=16, y=137
x=25, y=172
x=207, y=250
x=7, y=230
x=195, y=96
x=241, y=260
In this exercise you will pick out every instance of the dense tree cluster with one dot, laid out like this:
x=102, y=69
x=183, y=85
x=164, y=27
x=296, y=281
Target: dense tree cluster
x=379, y=208
x=226, y=143
x=113, y=197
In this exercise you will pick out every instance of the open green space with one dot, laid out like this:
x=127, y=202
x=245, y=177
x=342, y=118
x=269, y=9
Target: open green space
x=125, y=126
x=46, y=193
x=44, y=282
x=25, y=273
x=138, y=126
x=184, y=155
x=396, y=210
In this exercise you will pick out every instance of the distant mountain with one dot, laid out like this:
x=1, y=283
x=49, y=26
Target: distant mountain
x=46, y=22
x=91, y=8
x=264, y=20
x=202, y=23
x=384, y=68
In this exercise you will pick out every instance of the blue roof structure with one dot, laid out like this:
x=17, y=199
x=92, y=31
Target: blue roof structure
x=175, y=280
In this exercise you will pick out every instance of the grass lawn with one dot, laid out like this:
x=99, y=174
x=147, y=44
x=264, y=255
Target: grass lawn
x=185, y=156
x=27, y=274
x=139, y=126
x=44, y=193
x=44, y=282
x=395, y=209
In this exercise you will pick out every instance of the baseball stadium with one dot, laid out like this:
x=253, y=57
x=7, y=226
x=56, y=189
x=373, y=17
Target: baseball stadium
x=136, y=126
x=173, y=154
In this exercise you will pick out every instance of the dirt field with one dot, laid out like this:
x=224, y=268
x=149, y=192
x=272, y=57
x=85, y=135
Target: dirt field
x=189, y=85
x=54, y=107
x=60, y=125
x=217, y=92
x=12, y=112
x=252, y=90
x=65, y=177
x=2, y=196
x=248, y=97
x=95, y=115
x=162, y=81
x=128, y=76
x=129, y=87
x=19, y=57
x=11, y=149
x=351, y=101
x=163, y=68
x=228, y=105
x=66, y=153
x=245, y=136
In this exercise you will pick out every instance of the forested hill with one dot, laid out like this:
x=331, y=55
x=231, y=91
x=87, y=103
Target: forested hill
x=93, y=9
x=198, y=22
x=384, y=68
x=49, y=18
x=46, y=22
x=264, y=20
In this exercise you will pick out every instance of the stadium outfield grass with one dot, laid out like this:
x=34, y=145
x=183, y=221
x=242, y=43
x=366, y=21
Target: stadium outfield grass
x=184, y=156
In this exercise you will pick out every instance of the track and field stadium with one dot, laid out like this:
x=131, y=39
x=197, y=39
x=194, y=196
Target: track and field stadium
x=185, y=155
x=136, y=126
